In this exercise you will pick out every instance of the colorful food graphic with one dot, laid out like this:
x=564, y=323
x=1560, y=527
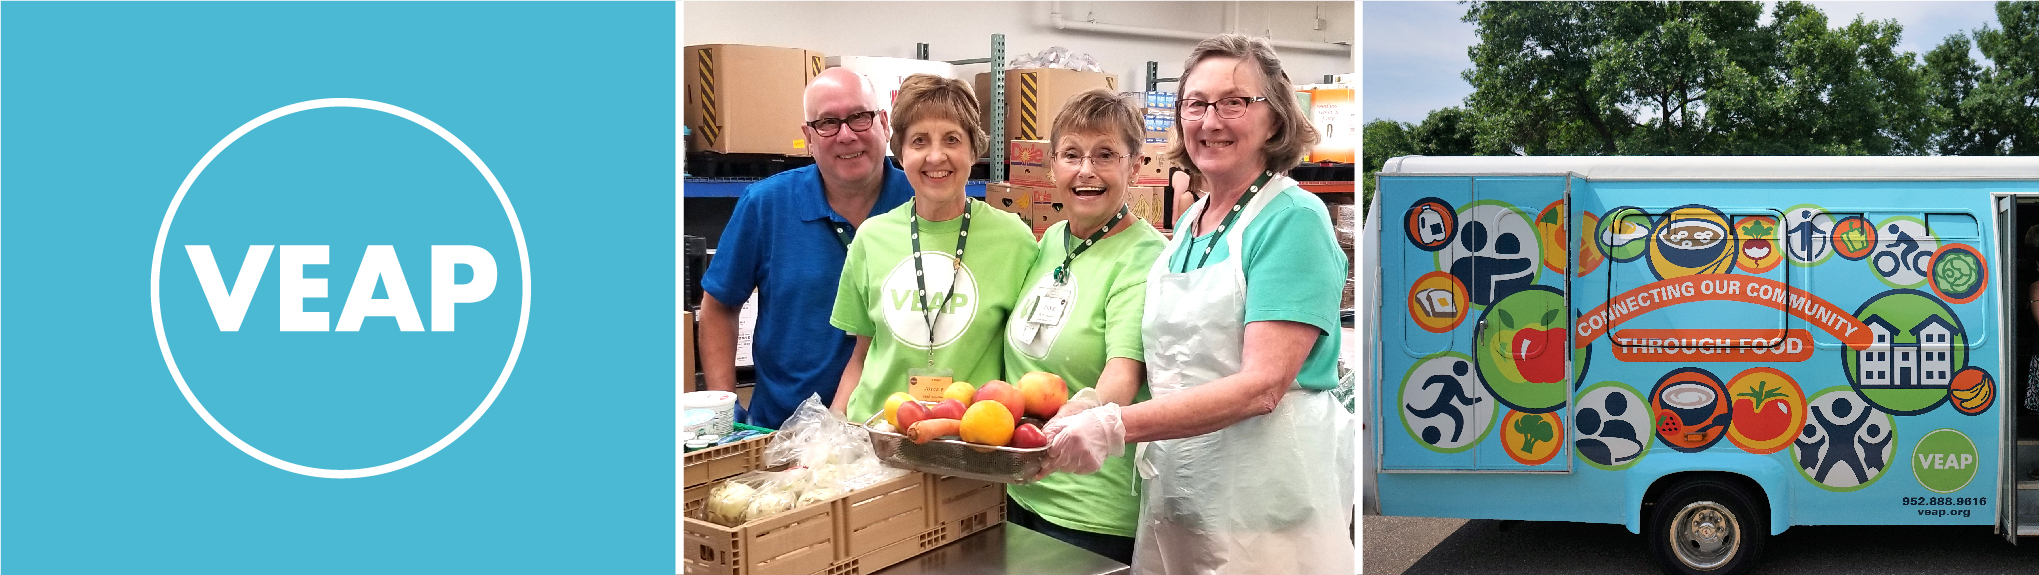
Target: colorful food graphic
x=1691, y=240
x=1531, y=438
x=1768, y=410
x=1845, y=444
x=1442, y=407
x=1624, y=233
x=1496, y=253
x=1550, y=227
x=1759, y=237
x=1692, y=409
x=1916, y=346
x=1958, y=273
x=1609, y=424
x=1807, y=234
x=1521, y=350
x=1438, y=302
x=1589, y=250
x=1430, y=224
x=1854, y=238
x=1973, y=391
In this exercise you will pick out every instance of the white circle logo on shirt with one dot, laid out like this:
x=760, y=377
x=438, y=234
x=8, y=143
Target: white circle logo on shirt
x=1016, y=328
x=904, y=313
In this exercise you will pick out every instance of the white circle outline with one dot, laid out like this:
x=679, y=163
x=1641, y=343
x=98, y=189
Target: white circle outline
x=163, y=341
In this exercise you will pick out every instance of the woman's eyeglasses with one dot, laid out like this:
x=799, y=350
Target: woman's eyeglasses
x=857, y=122
x=1228, y=108
x=1103, y=159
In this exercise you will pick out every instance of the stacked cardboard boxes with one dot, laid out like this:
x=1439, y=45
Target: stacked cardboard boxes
x=746, y=99
x=1033, y=96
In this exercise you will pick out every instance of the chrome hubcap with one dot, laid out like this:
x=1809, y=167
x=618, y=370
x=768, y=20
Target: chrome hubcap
x=1705, y=535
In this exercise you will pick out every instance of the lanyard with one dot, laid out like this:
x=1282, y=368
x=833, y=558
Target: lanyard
x=920, y=276
x=1062, y=271
x=842, y=232
x=1227, y=224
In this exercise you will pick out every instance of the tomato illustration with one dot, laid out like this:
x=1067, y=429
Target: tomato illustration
x=1762, y=414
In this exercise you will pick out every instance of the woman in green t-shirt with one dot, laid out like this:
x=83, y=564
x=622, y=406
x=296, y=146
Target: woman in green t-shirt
x=928, y=285
x=1080, y=316
x=1247, y=457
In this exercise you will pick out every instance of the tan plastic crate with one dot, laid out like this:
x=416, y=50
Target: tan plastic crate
x=956, y=498
x=884, y=514
x=725, y=461
x=908, y=548
x=797, y=542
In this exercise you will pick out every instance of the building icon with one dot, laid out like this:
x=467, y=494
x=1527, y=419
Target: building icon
x=1927, y=362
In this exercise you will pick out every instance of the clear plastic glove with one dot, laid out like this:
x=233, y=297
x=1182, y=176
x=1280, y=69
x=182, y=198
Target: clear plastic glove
x=1084, y=399
x=1081, y=442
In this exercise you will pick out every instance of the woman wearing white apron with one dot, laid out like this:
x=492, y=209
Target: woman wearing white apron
x=1247, y=458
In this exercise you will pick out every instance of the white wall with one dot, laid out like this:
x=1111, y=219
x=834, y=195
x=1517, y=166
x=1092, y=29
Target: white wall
x=962, y=30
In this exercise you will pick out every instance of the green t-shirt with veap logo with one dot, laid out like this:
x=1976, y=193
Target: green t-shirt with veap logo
x=1295, y=271
x=1107, y=287
x=878, y=298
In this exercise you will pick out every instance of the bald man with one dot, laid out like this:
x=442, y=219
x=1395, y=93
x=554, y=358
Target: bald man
x=787, y=240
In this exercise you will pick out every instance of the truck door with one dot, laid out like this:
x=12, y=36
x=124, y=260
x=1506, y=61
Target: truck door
x=1475, y=324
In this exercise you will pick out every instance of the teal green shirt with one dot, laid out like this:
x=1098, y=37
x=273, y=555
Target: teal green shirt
x=1295, y=272
x=1107, y=287
x=878, y=298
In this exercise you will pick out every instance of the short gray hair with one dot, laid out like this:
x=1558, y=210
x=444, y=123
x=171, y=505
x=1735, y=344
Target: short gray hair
x=1293, y=135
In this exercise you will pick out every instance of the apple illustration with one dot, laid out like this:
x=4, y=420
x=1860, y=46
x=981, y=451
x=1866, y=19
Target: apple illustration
x=1529, y=347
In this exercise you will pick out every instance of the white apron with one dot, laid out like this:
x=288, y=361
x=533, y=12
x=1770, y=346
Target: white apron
x=1271, y=494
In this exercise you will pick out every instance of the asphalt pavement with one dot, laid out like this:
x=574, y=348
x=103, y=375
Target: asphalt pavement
x=1427, y=546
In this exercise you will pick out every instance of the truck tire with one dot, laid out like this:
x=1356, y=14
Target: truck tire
x=1706, y=526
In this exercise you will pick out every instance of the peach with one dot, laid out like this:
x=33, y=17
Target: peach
x=960, y=391
x=987, y=423
x=1044, y=393
x=1004, y=393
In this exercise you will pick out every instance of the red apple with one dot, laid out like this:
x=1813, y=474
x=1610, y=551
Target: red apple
x=947, y=409
x=1026, y=436
x=910, y=413
x=1003, y=393
x=1538, y=354
x=1044, y=393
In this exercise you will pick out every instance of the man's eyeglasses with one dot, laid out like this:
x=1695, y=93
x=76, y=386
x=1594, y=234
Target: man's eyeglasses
x=1228, y=108
x=857, y=122
x=1103, y=159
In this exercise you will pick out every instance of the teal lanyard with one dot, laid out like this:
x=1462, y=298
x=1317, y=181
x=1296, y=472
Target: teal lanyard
x=920, y=276
x=1226, y=225
x=1062, y=271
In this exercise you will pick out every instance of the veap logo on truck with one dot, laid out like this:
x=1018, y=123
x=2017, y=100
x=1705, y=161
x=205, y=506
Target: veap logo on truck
x=335, y=194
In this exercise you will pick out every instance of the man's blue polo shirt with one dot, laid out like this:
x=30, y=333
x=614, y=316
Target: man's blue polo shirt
x=781, y=241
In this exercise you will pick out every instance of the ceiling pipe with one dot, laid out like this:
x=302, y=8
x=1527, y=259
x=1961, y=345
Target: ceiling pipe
x=1055, y=17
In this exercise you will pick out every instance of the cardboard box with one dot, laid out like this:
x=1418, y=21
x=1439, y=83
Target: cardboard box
x=1150, y=204
x=1026, y=163
x=1007, y=197
x=1155, y=168
x=746, y=99
x=1034, y=95
x=1050, y=206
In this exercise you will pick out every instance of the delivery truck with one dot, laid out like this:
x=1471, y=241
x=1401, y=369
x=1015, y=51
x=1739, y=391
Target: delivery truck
x=1705, y=350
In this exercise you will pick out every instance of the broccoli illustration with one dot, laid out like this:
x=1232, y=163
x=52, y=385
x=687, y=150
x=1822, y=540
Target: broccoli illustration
x=1533, y=430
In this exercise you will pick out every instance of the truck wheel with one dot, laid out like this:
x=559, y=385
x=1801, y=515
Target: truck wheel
x=1706, y=526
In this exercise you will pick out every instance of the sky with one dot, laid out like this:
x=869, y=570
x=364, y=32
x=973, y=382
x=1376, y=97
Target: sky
x=1413, y=51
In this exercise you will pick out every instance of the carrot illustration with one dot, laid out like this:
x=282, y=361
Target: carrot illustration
x=927, y=430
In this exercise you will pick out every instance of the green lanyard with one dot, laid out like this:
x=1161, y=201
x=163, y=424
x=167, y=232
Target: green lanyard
x=842, y=232
x=920, y=276
x=1227, y=224
x=1062, y=271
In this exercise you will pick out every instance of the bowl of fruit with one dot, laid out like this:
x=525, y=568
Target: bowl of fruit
x=992, y=432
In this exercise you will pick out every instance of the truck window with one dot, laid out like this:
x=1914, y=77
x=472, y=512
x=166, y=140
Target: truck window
x=1702, y=278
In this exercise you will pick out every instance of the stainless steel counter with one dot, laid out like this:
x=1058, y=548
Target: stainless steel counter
x=1008, y=549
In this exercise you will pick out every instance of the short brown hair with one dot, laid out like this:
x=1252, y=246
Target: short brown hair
x=1099, y=111
x=1293, y=136
x=924, y=96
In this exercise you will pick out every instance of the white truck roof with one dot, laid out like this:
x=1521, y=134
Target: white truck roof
x=1756, y=168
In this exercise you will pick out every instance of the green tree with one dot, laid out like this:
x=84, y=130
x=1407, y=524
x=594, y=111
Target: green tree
x=1379, y=140
x=1644, y=78
x=1994, y=109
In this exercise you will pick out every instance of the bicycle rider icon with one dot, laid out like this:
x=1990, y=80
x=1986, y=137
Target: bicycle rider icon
x=1903, y=251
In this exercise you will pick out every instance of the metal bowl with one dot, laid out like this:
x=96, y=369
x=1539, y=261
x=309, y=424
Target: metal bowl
x=956, y=458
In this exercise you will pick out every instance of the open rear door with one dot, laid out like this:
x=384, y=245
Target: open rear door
x=2007, y=482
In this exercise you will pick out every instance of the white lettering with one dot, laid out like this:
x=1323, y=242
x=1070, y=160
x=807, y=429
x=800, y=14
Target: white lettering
x=229, y=304
x=296, y=288
x=445, y=293
x=379, y=264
